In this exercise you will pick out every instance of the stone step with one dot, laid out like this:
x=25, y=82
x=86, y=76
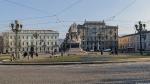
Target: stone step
x=76, y=51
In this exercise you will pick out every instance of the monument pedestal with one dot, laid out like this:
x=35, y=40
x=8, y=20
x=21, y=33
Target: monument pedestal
x=75, y=49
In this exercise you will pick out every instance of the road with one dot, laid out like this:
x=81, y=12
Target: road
x=127, y=73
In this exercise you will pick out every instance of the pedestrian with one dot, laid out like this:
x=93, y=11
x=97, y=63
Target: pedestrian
x=101, y=52
x=61, y=53
x=112, y=52
x=19, y=54
x=116, y=51
x=36, y=54
x=12, y=56
x=31, y=54
x=25, y=54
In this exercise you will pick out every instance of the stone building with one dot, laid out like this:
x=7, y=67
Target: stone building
x=1, y=44
x=46, y=42
x=72, y=41
x=131, y=42
x=72, y=37
x=95, y=36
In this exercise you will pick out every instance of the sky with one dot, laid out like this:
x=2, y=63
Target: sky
x=58, y=15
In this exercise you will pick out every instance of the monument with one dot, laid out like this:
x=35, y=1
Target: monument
x=74, y=41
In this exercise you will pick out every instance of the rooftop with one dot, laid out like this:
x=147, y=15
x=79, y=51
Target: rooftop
x=33, y=31
x=94, y=23
x=134, y=34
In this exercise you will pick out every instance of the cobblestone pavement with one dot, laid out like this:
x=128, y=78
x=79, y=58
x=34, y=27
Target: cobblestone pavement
x=127, y=73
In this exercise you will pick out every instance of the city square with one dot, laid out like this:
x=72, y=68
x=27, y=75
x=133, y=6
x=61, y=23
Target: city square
x=117, y=73
x=74, y=42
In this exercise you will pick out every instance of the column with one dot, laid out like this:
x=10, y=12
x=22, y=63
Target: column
x=98, y=45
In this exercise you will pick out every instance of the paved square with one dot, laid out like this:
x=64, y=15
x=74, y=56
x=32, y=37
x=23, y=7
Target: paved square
x=130, y=73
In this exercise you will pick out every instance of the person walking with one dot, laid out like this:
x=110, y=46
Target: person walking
x=25, y=54
x=101, y=52
x=12, y=56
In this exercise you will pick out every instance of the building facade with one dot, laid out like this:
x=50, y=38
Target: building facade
x=72, y=36
x=96, y=36
x=127, y=43
x=131, y=42
x=46, y=42
x=1, y=44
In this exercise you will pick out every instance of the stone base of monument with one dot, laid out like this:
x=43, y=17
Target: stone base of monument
x=76, y=51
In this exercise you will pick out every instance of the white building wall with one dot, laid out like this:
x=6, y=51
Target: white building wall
x=26, y=40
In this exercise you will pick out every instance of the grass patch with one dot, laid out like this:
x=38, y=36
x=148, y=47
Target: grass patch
x=128, y=57
x=66, y=59
x=4, y=57
x=51, y=60
x=74, y=58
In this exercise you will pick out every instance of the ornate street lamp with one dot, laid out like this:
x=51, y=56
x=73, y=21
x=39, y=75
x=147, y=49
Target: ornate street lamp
x=99, y=39
x=44, y=45
x=140, y=28
x=36, y=35
x=16, y=28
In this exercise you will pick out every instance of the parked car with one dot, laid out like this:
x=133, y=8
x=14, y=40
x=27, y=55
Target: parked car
x=91, y=50
x=107, y=50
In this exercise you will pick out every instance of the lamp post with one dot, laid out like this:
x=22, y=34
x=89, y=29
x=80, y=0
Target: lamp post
x=99, y=40
x=100, y=36
x=16, y=28
x=53, y=49
x=44, y=45
x=36, y=35
x=140, y=28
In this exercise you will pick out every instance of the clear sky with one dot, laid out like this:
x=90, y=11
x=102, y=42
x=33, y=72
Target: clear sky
x=31, y=12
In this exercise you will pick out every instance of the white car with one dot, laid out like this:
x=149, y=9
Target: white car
x=92, y=50
x=107, y=50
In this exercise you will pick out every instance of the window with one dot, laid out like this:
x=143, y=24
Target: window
x=31, y=37
x=106, y=37
x=115, y=36
x=11, y=43
x=19, y=44
x=111, y=38
x=51, y=43
x=22, y=43
x=47, y=43
x=10, y=37
x=83, y=43
x=94, y=30
x=110, y=32
x=55, y=43
x=27, y=43
x=10, y=49
x=40, y=43
x=40, y=48
x=31, y=43
x=18, y=37
x=36, y=43
x=27, y=37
